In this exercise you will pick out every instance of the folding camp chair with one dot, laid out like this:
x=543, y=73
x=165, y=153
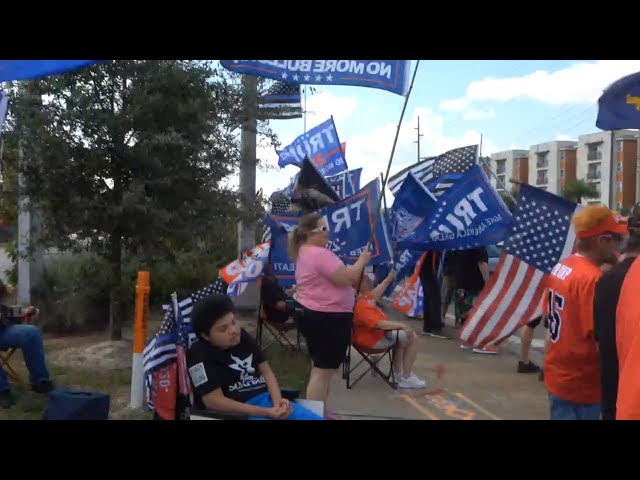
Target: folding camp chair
x=280, y=331
x=6, y=355
x=372, y=357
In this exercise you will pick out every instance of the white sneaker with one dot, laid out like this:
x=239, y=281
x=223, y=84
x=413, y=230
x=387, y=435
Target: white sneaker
x=412, y=381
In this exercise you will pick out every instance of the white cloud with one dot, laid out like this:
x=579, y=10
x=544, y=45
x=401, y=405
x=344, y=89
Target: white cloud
x=580, y=83
x=322, y=105
x=562, y=136
x=480, y=114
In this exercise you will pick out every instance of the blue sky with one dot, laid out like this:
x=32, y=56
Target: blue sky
x=512, y=103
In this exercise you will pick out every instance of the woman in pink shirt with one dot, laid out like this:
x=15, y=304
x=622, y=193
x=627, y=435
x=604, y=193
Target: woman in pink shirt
x=324, y=290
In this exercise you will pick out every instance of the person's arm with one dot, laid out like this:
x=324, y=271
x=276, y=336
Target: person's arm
x=216, y=401
x=391, y=325
x=377, y=292
x=344, y=275
x=274, y=389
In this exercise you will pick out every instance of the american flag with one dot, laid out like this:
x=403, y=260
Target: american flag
x=175, y=333
x=281, y=101
x=541, y=236
x=277, y=209
x=458, y=160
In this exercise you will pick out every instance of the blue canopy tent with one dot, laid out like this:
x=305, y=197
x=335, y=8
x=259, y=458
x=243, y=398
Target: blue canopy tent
x=11, y=70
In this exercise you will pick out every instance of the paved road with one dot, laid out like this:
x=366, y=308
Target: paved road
x=461, y=385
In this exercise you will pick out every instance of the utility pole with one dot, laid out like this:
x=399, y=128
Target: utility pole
x=247, y=188
x=247, y=183
x=418, y=141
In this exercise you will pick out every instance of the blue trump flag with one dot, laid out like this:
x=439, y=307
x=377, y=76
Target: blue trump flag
x=619, y=105
x=470, y=214
x=350, y=222
x=389, y=75
x=413, y=203
x=346, y=183
x=321, y=144
x=11, y=70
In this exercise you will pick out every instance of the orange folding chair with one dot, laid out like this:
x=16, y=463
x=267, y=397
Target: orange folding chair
x=6, y=355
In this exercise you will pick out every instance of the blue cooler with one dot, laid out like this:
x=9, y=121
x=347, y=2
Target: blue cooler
x=71, y=404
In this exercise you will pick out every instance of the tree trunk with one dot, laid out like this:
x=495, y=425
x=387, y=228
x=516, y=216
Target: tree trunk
x=115, y=301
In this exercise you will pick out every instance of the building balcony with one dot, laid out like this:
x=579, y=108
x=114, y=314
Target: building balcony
x=541, y=181
x=594, y=175
x=542, y=165
x=593, y=156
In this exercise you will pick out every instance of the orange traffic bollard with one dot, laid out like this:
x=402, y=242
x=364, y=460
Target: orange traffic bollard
x=143, y=288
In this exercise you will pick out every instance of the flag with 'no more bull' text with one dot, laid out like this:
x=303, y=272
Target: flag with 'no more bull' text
x=389, y=75
x=468, y=215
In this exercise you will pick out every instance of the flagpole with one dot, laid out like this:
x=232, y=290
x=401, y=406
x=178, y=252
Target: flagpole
x=305, y=109
x=393, y=149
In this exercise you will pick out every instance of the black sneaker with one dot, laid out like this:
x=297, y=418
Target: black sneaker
x=6, y=399
x=43, y=387
x=528, y=367
x=436, y=334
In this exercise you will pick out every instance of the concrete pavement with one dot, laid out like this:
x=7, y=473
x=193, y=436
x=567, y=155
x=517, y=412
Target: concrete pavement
x=461, y=385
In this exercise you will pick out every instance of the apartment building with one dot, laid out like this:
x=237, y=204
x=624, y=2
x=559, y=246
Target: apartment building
x=613, y=173
x=552, y=164
x=507, y=165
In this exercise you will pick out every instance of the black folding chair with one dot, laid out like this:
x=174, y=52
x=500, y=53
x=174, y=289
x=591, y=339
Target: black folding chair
x=280, y=331
x=372, y=357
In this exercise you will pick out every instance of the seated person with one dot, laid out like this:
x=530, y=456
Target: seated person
x=228, y=371
x=277, y=304
x=370, y=324
x=28, y=338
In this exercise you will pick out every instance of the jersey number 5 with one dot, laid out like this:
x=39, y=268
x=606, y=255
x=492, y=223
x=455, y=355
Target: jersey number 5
x=556, y=305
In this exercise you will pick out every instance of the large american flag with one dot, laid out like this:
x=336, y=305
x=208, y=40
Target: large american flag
x=541, y=236
x=176, y=334
x=458, y=160
x=279, y=208
x=281, y=101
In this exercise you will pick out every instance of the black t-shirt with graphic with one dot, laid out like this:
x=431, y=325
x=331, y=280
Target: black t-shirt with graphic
x=235, y=370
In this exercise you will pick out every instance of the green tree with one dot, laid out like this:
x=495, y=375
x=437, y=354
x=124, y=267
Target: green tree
x=576, y=190
x=131, y=156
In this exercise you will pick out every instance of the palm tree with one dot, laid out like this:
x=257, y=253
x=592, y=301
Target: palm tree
x=576, y=190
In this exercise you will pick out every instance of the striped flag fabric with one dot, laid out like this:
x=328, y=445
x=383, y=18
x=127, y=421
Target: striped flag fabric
x=458, y=160
x=281, y=101
x=277, y=209
x=4, y=105
x=542, y=234
x=175, y=336
x=441, y=184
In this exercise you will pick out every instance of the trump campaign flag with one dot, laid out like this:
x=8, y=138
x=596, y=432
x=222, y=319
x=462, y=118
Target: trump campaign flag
x=346, y=183
x=412, y=205
x=619, y=105
x=469, y=214
x=245, y=269
x=321, y=144
x=542, y=234
x=389, y=75
x=4, y=105
x=350, y=222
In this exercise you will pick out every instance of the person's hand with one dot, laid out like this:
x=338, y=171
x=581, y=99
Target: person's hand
x=284, y=403
x=392, y=275
x=278, y=412
x=365, y=256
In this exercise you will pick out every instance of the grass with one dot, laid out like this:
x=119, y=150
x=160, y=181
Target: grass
x=291, y=368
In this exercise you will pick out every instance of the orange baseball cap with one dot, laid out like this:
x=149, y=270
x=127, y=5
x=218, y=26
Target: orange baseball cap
x=596, y=220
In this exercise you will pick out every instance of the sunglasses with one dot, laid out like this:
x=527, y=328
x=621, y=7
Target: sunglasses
x=321, y=229
x=616, y=237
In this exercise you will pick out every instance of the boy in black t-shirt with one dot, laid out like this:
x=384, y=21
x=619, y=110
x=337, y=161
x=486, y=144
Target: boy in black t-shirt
x=228, y=371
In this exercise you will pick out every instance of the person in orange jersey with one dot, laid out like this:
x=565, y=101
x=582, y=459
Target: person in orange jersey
x=616, y=312
x=572, y=373
x=374, y=330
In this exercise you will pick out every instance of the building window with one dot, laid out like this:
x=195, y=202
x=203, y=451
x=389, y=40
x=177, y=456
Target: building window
x=619, y=166
x=594, y=172
x=501, y=167
x=562, y=155
x=594, y=153
x=562, y=173
x=619, y=146
x=596, y=185
x=542, y=178
x=619, y=185
x=542, y=161
x=618, y=206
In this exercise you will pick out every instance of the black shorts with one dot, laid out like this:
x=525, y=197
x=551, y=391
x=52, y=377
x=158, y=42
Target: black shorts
x=328, y=336
x=535, y=322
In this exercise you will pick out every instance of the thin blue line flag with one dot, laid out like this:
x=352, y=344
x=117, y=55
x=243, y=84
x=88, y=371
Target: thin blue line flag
x=619, y=105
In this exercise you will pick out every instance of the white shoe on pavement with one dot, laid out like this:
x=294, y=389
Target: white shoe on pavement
x=412, y=381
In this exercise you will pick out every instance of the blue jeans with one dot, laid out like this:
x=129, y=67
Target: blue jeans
x=298, y=412
x=566, y=410
x=28, y=338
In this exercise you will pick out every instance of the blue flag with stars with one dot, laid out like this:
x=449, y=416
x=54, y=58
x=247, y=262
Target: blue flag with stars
x=619, y=105
x=468, y=215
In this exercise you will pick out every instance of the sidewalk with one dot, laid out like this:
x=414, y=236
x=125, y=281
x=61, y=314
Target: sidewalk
x=472, y=387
